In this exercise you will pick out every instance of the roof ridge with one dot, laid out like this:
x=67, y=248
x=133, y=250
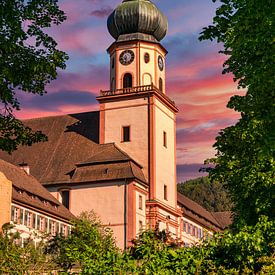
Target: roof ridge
x=56, y=116
x=130, y=158
x=13, y=167
x=215, y=216
x=107, y=145
x=192, y=210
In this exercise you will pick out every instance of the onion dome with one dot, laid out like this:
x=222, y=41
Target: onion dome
x=137, y=19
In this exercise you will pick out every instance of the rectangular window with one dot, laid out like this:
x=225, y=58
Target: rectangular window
x=38, y=221
x=189, y=228
x=185, y=226
x=140, y=225
x=52, y=225
x=200, y=233
x=14, y=214
x=164, y=139
x=165, y=193
x=46, y=225
x=63, y=230
x=140, y=202
x=126, y=133
x=33, y=220
x=58, y=227
x=192, y=230
x=65, y=196
x=195, y=231
x=28, y=219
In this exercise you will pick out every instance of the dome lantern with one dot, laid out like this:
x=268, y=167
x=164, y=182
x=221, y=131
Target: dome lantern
x=137, y=19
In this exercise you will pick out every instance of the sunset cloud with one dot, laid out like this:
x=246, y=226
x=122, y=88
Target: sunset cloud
x=102, y=12
x=193, y=68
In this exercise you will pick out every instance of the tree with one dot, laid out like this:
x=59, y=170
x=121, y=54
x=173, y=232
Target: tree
x=249, y=251
x=29, y=60
x=15, y=259
x=90, y=247
x=245, y=151
x=212, y=195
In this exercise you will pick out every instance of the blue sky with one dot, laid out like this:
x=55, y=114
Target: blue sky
x=194, y=78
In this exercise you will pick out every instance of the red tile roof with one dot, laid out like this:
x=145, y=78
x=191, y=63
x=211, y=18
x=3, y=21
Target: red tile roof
x=27, y=190
x=225, y=219
x=215, y=221
x=72, y=143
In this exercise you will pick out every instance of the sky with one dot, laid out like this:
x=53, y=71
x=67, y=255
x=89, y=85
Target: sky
x=193, y=74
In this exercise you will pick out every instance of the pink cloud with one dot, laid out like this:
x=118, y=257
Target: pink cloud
x=62, y=110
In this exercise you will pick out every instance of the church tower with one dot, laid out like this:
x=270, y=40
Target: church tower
x=136, y=112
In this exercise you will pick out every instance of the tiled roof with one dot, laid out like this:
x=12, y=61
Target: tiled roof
x=225, y=219
x=107, y=153
x=71, y=139
x=27, y=190
x=72, y=142
x=201, y=215
x=106, y=172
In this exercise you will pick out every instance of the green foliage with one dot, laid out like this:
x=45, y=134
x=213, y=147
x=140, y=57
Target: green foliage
x=249, y=251
x=15, y=259
x=29, y=60
x=90, y=247
x=212, y=195
x=245, y=151
x=153, y=254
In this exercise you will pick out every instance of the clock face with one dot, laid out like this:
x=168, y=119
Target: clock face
x=126, y=57
x=160, y=63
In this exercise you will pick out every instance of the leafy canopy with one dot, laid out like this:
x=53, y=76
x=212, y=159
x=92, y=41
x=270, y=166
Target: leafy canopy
x=90, y=246
x=245, y=151
x=15, y=259
x=29, y=60
x=212, y=195
x=250, y=251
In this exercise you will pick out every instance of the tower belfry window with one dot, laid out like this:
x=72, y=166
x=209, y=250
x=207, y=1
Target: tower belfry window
x=127, y=81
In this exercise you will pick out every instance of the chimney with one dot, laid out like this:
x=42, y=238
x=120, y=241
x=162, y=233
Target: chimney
x=5, y=199
x=24, y=166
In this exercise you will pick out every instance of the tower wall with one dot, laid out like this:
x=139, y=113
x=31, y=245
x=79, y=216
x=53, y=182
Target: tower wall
x=143, y=73
x=165, y=156
x=133, y=113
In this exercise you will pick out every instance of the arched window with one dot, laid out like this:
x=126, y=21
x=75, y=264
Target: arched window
x=160, y=84
x=147, y=79
x=127, y=81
